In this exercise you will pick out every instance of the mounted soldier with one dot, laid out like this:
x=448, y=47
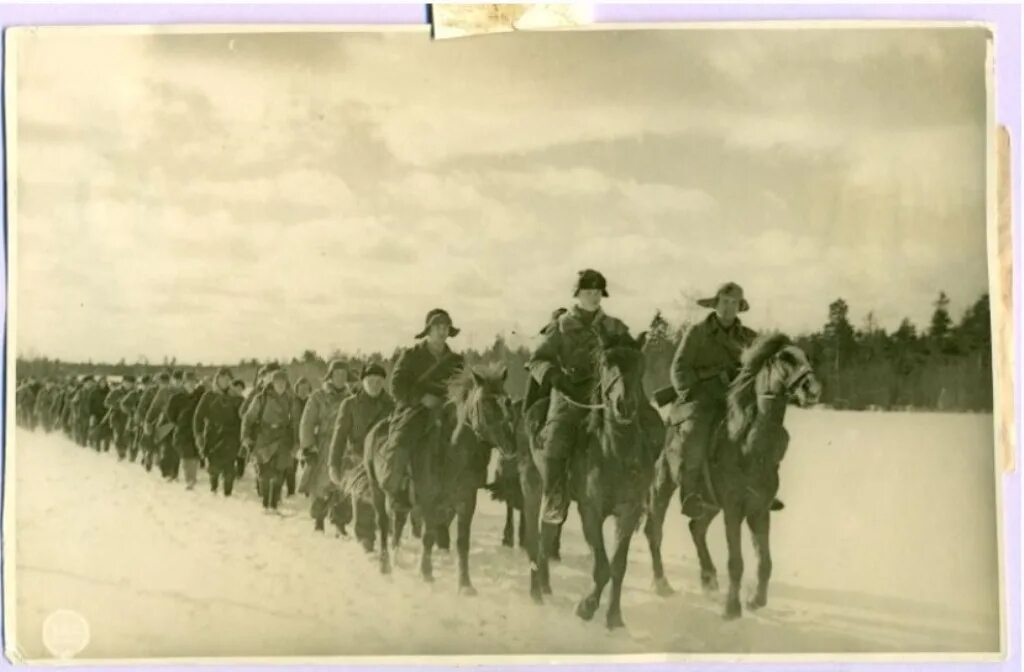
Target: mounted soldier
x=704, y=366
x=315, y=431
x=565, y=363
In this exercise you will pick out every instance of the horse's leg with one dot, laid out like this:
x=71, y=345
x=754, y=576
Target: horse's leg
x=733, y=538
x=443, y=535
x=510, y=524
x=531, y=532
x=400, y=514
x=430, y=525
x=657, y=506
x=381, y=507
x=592, y=524
x=465, y=519
x=625, y=524
x=708, y=571
x=556, y=544
x=759, y=525
x=522, y=527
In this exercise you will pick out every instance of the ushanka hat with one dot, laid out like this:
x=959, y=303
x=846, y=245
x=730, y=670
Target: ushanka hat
x=590, y=279
x=373, y=369
x=436, y=316
x=729, y=288
x=223, y=371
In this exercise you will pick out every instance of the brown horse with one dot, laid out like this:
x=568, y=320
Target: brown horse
x=448, y=469
x=743, y=470
x=611, y=473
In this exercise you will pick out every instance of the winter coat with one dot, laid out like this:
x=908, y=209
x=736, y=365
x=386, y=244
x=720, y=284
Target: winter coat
x=217, y=426
x=315, y=430
x=418, y=372
x=145, y=400
x=708, y=357
x=181, y=410
x=357, y=415
x=270, y=424
x=570, y=348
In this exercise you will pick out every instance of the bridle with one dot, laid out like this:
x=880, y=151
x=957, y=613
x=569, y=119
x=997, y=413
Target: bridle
x=795, y=380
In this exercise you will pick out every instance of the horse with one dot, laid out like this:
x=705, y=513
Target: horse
x=742, y=474
x=610, y=472
x=449, y=468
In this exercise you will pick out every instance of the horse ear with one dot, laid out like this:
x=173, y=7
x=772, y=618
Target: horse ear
x=477, y=378
x=504, y=373
x=641, y=340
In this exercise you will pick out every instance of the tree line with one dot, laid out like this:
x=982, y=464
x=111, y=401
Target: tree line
x=945, y=366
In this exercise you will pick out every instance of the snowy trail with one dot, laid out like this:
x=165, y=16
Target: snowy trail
x=160, y=572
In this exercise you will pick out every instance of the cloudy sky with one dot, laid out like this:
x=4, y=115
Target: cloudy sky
x=220, y=196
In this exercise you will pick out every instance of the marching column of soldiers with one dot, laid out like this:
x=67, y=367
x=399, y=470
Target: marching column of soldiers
x=178, y=423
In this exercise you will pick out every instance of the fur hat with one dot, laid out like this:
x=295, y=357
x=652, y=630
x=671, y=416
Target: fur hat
x=590, y=279
x=335, y=365
x=730, y=288
x=434, y=317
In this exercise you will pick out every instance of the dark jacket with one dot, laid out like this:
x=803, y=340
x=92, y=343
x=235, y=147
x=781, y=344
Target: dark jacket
x=707, y=358
x=417, y=372
x=570, y=348
x=217, y=424
x=357, y=415
x=181, y=410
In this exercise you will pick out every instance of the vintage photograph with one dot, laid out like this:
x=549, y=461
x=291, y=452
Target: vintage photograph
x=606, y=342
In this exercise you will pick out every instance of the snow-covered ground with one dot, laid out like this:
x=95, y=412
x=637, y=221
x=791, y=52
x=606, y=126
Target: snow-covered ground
x=887, y=544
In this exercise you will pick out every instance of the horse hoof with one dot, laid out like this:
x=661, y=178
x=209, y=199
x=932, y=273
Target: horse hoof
x=662, y=587
x=507, y=543
x=615, y=621
x=732, y=612
x=709, y=584
x=468, y=591
x=546, y=589
x=555, y=557
x=428, y=578
x=585, y=610
x=536, y=597
x=756, y=603
x=385, y=568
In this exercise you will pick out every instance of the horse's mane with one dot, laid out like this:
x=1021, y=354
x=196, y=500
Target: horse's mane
x=742, y=393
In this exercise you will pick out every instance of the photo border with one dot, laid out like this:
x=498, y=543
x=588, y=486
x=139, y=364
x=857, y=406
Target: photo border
x=1006, y=23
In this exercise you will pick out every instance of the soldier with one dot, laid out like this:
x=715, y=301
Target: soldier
x=315, y=439
x=40, y=408
x=80, y=410
x=565, y=362
x=159, y=427
x=705, y=363
x=419, y=387
x=181, y=409
x=217, y=426
x=357, y=415
x=144, y=433
x=262, y=380
x=128, y=404
x=303, y=390
x=268, y=432
x=115, y=417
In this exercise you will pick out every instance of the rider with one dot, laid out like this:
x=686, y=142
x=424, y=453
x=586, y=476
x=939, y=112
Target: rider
x=565, y=362
x=419, y=387
x=705, y=363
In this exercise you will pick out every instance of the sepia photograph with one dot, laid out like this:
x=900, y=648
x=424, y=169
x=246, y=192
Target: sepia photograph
x=613, y=342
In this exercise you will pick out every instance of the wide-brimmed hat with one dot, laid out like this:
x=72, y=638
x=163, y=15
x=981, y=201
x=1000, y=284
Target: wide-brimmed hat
x=730, y=288
x=335, y=365
x=436, y=316
x=373, y=369
x=590, y=279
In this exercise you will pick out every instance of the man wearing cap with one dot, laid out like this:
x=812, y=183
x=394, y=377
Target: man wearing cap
x=315, y=440
x=268, y=432
x=564, y=361
x=129, y=405
x=217, y=428
x=705, y=363
x=419, y=387
x=181, y=411
x=357, y=415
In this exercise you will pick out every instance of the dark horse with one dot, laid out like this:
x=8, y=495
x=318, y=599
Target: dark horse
x=611, y=473
x=448, y=468
x=743, y=471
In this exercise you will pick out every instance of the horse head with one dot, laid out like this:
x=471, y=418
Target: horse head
x=621, y=367
x=794, y=377
x=484, y=407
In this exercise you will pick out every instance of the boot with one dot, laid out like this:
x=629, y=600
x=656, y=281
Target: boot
x=318, y=525
x=694, y=503
x=777, y=505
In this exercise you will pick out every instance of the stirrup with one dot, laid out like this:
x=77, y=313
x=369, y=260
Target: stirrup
x=695, y=506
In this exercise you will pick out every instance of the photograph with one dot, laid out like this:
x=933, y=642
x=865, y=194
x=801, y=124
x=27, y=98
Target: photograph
x=613, y=343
